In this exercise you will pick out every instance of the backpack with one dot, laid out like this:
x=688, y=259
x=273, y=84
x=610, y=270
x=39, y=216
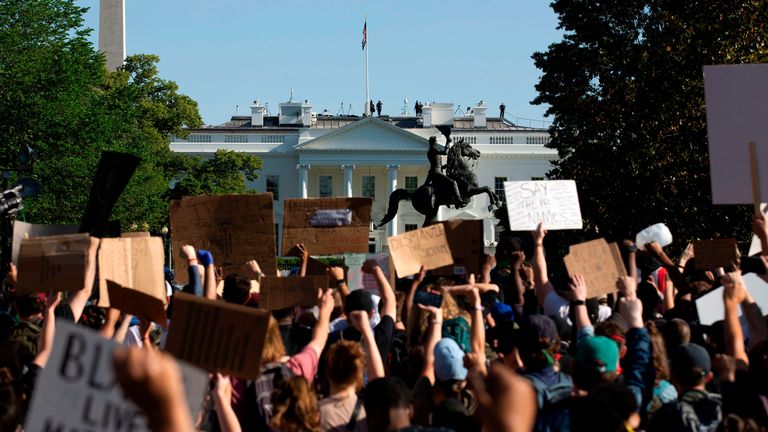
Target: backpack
x=700, y=411
x=259, y=395
x=554, y=403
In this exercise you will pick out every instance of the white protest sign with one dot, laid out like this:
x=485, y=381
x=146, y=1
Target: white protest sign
x=77, y=391
x=710, y=306
x=737, y=106
x=554, y=202
x=357, y=279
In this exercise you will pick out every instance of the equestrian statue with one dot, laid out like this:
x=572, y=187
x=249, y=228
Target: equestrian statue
x=452, y=184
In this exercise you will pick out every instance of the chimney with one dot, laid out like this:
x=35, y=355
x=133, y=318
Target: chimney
x=306, y=114
x=479, y=114
x=257, y=114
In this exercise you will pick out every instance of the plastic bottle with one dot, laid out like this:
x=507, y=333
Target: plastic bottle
x=658, y=233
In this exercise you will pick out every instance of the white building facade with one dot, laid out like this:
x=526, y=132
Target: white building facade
x=309, y=155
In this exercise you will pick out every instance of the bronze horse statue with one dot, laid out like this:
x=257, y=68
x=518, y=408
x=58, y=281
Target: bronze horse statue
x=428, y=198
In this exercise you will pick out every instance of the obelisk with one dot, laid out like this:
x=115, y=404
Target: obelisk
x=112, y=32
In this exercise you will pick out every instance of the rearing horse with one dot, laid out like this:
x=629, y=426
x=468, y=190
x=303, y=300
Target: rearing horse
x=428, y=198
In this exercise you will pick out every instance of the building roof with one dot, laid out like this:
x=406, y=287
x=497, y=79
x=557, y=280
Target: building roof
x=271, y=123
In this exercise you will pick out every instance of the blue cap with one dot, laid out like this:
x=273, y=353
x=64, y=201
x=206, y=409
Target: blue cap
x=449, y=361
x=502, y=312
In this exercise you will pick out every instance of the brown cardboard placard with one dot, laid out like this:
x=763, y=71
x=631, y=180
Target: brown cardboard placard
x=25, y=230
x=714, y=253
x=426, y=246
x=217, y=336
x=133, y=234
x=326, y=240
x=133, y=263
x=54, y=263
x=285, y=292
x=135, y=302
x=465, y=238
x=235, y=228
x=599, y=263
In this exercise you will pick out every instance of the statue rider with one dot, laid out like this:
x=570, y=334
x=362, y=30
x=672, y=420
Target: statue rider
x=436, y=176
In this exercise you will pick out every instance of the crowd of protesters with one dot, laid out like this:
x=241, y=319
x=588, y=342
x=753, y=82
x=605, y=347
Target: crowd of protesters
x=515, y=348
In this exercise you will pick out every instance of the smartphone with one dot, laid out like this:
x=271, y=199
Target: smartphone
x=428, y=299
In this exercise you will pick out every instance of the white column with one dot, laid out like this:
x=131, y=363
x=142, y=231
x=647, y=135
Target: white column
x=391, y=186
x=348, y=179
x=303, y=177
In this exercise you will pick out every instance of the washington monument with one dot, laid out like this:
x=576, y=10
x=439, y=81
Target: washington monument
x=112, y=32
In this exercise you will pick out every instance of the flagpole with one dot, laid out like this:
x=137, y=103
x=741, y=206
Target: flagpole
x=367, y=100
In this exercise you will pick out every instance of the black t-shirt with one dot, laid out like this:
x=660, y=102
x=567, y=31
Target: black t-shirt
x=64, y=311
x=382, y=333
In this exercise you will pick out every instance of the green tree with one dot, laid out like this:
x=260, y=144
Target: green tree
x=226, y=172
x=625, y=88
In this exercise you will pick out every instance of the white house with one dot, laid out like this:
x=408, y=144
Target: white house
x=319, y=155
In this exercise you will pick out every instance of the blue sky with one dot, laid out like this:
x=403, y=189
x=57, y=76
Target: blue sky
x=225, y=53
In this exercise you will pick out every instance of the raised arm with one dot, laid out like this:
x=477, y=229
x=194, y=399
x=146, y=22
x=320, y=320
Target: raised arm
x=672, y=269
x=407, y=312
x=80, y=298
x=205, y=258
x=373, y=362
x=758, y=331
x=388, y=301
x=45, y=341
x=638, y=372
x=304, y=257
x=583, y=325
x=734, y=294
x=541, y=279
x=337, y=274
x=760, y=229
x=222, y=402
x=320, y=332
x=433, y=337
x=189, y=256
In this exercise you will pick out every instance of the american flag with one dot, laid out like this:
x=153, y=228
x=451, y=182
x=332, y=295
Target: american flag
x=365, y=33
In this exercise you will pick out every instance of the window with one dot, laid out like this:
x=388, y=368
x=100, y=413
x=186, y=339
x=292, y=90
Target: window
x=411, y=227
x=199, y=138
x=273, y=185
x=467, y=139
x=325, y=186
x=411, y=183
x=235, y=138
x=498, y=187
x=502, y=140
x=537, y=140
x=369, y=187
x=272, y=138
x=371, y=244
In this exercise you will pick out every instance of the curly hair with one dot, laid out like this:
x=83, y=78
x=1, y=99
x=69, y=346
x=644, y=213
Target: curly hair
x=659, y=350
x=344, y=364
x=295, y=406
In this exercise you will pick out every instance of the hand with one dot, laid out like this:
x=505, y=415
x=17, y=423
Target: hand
x=336, y=273
x=419, y=278
x=538, y=235
x=437, y=313
x=490, y=262
x=188, y=253
x=654, y=249
x=325, y=301
x=578, y=287
x=506, y=401
x=370, y=266
x=632, y=311
x=359, y=320
x=686, y=256
x=473, y=361
x=303, y=252
x=251, y=269
x=733, y=287
x=516, y=259
x=760, y=226
x=222, y=392
x=627, y=285
x=725, y=367
x=145, y=328
x=13, y=275
x=149, y=378
x=205, y=257
x=626, y=243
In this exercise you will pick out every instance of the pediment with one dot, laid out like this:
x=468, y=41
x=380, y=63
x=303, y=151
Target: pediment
x=368, y=134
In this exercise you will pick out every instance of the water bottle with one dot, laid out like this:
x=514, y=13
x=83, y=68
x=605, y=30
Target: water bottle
x=658, y=233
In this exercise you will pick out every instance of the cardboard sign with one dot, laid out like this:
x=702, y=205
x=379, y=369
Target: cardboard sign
x=554, y=202
x=133, y=234
x=711, y=254
x=357, y=279
x=426, y=246
x=599, y=262
x=24, y=230
x=77, y=391
x=52, y=263
x=285, y=292
x=303, y=222
x=710, y=306
x=217, y=336
x=465, y=238
x=235, y=228
x=133, y=264
x=736, y=98
x=112, y=176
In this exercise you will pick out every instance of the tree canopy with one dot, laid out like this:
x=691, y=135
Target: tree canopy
x=625, y=89
x=57, y=97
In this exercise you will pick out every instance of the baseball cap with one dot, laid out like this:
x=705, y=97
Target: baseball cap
x=358, y=300
x=538, y=326
x=449, y=361
x=686, y=358
x=598, y=352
